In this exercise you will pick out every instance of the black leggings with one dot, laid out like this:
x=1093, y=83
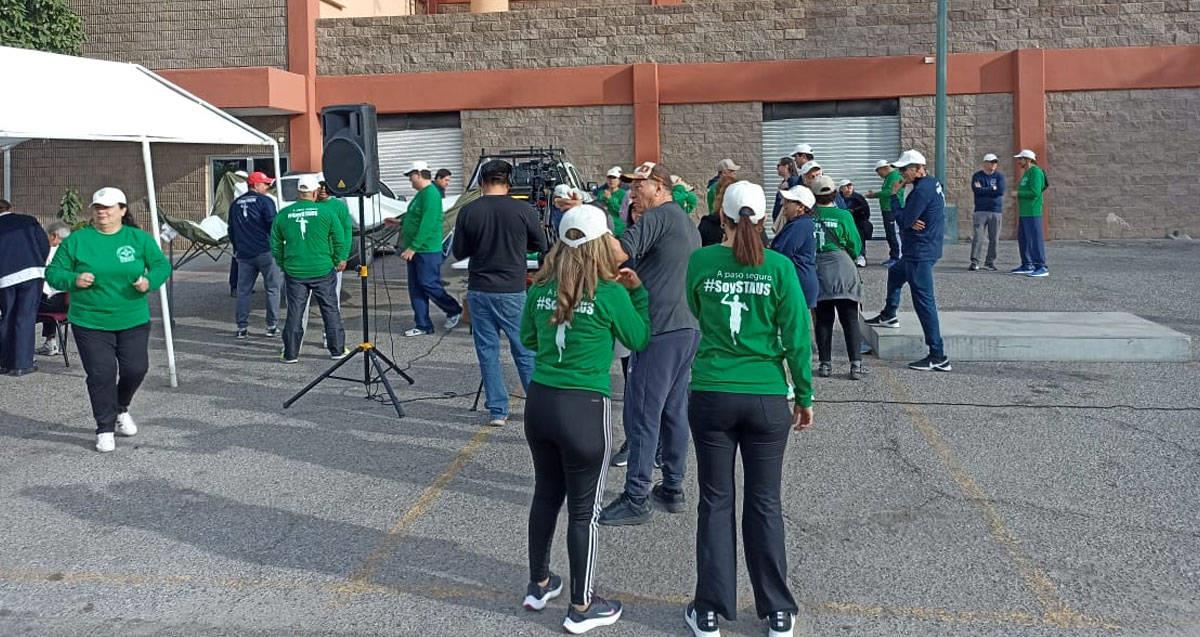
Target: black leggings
x=569, y=435
x=116, y=363
x=847, y=313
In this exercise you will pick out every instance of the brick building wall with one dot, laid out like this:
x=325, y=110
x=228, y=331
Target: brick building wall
x=596, y=138
x=696, y=136
x=186, y=35
x=1153, y=190
x=44, y=169
x=976, y=125
x=578, y=33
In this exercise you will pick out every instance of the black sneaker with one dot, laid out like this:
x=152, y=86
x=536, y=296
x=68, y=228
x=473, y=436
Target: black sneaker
x=825, y=369
x=780, y=624
x=989, y=266
x=536, y=596
x=240, y=334
x=702, y=624
x=625, y=512
x=271, y=332
x=621, y=458
x=974, y=267
x=672, y=500
x=601, y=613
x=883, y=321
x=931, y=364
x=857, y=371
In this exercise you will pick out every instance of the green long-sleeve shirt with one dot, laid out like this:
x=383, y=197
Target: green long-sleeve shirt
x=307, y=240
x=579, y=354
x=342, y=212
x=836, y=231
x=422, y=222
x=746, y=313
x=1029, y=192
x=116, y=260
x=711, y=197
x=884, y=194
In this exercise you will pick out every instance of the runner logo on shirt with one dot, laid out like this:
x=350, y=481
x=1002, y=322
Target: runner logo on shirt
x=126, y=254
x=736, y=307
x=733, y=294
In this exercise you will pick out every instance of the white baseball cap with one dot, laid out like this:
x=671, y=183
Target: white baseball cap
x=727, y=164
x=615, y=171
x=800, y=194
x=882, y=163
x=908, y=158
x=417, y=166
x=108, y=197
x=991, y=157
x=744, y=196
x=802, y=148
x=809, y=166
x=1026, y=154
x=308, y=183
x=589, y=220
x=823, y=185
x=845, y=182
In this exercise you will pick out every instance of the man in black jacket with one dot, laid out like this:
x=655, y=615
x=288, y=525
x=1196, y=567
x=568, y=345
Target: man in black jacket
x=861, y=211
x=24, y=247
x=496, y=232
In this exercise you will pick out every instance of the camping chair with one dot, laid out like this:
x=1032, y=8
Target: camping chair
x=62, y=328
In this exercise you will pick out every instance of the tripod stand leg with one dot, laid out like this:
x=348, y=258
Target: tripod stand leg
x=395, y=367
x=325, y=374
x=371, y=356
x=475, y=406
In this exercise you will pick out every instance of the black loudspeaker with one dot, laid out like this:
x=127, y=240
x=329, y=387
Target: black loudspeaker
x=350, y=159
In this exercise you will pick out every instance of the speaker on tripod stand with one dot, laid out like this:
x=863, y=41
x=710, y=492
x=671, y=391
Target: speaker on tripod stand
x=350, y=161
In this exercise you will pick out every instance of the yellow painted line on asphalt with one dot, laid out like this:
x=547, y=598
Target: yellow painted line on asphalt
x=461, y=591
x=1055, y=611
x=362, y=576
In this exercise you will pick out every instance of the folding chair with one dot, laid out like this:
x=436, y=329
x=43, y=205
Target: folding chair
x=62, y=328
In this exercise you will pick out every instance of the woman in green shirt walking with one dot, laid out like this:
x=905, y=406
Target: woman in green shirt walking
x=578, y=304
x=752, y=318
x=108, y=268
x=838, y=247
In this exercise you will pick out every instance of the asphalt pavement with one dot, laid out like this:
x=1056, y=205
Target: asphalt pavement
x=998, y=500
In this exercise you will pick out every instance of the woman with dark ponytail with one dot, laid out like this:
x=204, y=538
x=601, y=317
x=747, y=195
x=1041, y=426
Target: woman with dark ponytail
x=752, y=318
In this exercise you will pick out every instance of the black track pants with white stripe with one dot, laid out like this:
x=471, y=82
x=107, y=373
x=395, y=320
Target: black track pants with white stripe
x=570, y=436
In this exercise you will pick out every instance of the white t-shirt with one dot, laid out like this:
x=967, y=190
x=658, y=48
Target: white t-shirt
x=46, y=289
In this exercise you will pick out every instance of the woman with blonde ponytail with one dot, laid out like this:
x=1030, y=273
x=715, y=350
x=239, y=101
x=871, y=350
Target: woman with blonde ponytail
x=579, y=303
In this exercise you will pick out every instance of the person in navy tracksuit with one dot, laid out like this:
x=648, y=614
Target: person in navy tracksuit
x=922, y=220
x=797, y=240
x=24, y=247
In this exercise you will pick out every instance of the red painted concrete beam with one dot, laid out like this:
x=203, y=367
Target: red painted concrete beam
x=304, y=130
x=646, y=100
x=249, y=87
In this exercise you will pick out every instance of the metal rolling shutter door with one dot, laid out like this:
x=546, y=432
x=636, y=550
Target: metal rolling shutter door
x=398, y=149
x=846, y=148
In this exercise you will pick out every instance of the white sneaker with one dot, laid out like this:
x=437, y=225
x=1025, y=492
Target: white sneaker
x=125, y=425
x=861, y=262
x=49, y=348
x=453, y=321
x=105, y=443
x=416, y=332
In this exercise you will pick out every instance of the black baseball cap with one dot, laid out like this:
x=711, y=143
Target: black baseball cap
x=495, y=168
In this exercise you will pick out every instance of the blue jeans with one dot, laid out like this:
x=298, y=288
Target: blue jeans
x=656, y=404
x=492, y=313
x=425, y=285
x=1031, y=243
x=247, y=273
x=919, y=277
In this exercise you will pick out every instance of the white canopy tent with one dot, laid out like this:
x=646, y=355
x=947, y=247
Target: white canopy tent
x=64, y=97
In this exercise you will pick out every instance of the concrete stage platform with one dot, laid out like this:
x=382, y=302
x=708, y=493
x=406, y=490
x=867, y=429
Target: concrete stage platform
x=1035, y=336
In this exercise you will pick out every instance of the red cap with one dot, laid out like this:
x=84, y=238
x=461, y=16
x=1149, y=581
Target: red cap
x=258, y=177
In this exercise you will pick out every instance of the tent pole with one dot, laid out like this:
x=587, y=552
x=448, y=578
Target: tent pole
x=162, y=290
x=278, y=181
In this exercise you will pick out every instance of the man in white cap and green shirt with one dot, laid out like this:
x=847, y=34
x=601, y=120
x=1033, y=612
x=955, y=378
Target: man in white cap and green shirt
x=922, y=220
x=308, y=242
x=988, y=186
x=421, y=237
x=725, y=168
x=890, y=177
x=1029, y=227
